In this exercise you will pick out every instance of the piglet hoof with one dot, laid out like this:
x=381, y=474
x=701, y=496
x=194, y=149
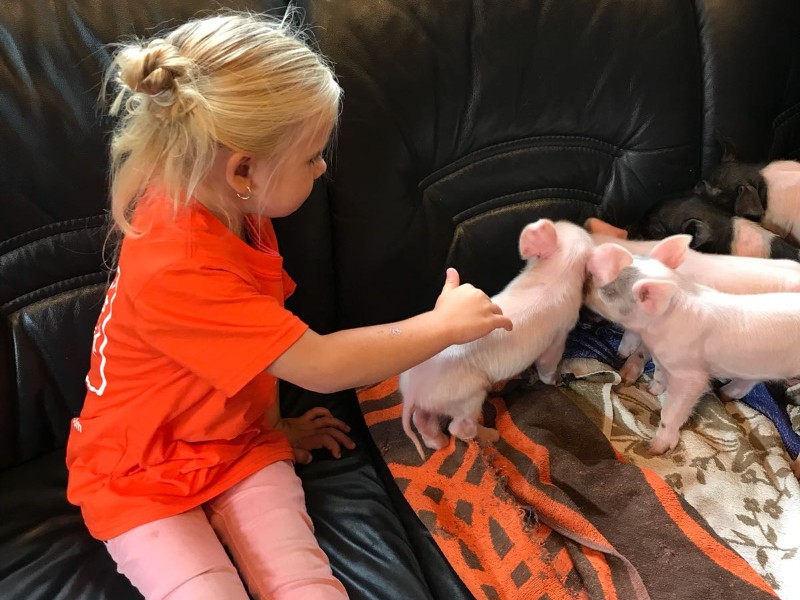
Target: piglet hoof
x=548, y=378
x=436, y=443
x=725, y=397
x=488, y=434
x=663, y=442
x=796, y=467
x=656, y=387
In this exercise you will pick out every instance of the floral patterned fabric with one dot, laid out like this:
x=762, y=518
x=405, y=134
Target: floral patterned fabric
x=730, y=465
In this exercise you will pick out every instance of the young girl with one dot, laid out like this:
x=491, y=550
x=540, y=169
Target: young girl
x=180, y=451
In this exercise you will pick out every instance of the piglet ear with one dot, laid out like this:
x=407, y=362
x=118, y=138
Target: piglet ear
x=654, y=295
x=538, y=240
x=700, y=232
x=671, y=250
x=606, y=262
x=748, y=203
x=705, y=189
x=728, y=147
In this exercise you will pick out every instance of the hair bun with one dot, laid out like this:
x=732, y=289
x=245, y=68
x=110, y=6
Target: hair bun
x=159, y=71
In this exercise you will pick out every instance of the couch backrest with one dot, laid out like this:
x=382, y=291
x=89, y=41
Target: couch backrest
x=751, y=87
x=462, y=122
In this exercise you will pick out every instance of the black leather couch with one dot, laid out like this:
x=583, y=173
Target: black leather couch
x=462, y=121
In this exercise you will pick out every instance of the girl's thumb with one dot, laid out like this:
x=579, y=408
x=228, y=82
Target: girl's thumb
x=451, y=280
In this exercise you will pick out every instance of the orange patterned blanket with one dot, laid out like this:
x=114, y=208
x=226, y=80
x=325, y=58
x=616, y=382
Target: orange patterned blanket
x=552, y=511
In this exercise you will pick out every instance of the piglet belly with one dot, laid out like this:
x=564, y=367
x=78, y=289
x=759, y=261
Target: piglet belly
x=756, y=366
x=760, y=352
x=740, y=274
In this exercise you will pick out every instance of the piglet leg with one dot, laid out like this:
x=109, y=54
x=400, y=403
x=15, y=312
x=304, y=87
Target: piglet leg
x=487, y=434
x=547, y=363
x=530, y=376
x=660, y=380
x=683, y=391
x=466, y=428
x=735, y=389
x=633, y=350
x=629, y=343
x=634, y=365
x=429, y=429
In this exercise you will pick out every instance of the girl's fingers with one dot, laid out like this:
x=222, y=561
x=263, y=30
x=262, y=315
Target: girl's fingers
x=332, y=439
x=316, y=413
x=335, y=435
x=320, y=417
x=341, y=438
x=327, y=441
x=322, y=422
x=505, y=323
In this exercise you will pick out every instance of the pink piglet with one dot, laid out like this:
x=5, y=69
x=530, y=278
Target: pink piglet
x=543, y=303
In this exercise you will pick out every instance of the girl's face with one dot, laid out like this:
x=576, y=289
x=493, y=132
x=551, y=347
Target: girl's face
x=280, y=189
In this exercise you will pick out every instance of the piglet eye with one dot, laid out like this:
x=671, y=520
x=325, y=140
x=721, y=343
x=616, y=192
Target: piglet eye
x=740, y=189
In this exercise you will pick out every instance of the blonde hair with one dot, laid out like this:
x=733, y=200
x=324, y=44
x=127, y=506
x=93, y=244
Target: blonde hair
x=246, y=81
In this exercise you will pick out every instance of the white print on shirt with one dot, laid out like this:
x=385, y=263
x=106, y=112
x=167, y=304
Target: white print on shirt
x=100, y=332
x=76, y=423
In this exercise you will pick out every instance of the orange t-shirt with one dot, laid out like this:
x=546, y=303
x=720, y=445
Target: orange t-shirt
x=177, y=389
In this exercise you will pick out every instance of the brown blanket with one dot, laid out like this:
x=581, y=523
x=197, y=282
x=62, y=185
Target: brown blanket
x=552, y=511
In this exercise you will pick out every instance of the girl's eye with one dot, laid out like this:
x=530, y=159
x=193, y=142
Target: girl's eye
x=316, y=159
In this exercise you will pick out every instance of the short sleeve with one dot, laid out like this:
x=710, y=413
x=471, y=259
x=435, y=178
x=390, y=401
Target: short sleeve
x=214, y=323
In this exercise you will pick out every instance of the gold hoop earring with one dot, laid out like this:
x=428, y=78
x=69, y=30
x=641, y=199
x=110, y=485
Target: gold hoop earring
x=245, y=197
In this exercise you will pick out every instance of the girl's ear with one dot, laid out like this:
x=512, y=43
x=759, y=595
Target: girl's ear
x=606, y=262
x=654, y=295
x=238, y=169
x=672, y=250
x=538, y=239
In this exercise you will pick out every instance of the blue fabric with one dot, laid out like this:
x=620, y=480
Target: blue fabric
x=600, y=340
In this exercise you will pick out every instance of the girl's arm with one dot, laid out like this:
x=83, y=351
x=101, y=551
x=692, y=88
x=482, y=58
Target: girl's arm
x=355, y=357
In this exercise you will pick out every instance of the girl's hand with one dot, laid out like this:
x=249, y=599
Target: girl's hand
x=467, y=311
x=317, y=428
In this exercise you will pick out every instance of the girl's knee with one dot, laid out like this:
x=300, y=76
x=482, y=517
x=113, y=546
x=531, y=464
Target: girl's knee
x=177, y=558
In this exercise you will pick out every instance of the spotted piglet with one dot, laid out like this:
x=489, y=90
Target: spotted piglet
x=730, y=274
x=694, y=332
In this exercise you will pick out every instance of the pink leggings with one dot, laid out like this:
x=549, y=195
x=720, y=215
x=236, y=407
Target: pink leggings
x=264, y=524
